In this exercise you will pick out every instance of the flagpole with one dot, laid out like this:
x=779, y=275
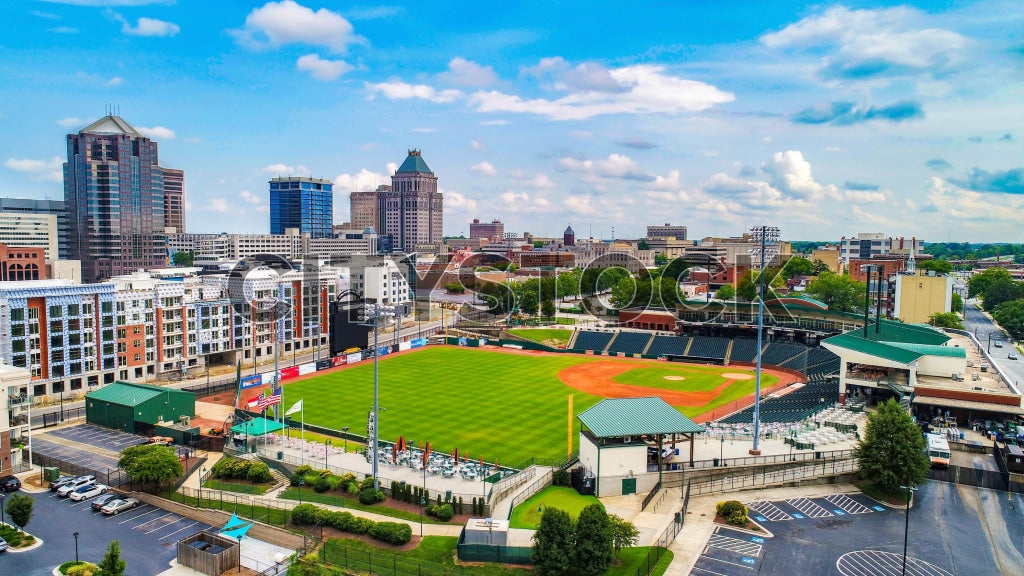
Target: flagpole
x=302, y=421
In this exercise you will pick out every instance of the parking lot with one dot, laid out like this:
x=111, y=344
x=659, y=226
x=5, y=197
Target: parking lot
x=73, y=455
x=105, y=438
x=147, y=535
x=951, y=532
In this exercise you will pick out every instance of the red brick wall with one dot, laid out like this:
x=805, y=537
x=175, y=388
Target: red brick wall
x=970, y=395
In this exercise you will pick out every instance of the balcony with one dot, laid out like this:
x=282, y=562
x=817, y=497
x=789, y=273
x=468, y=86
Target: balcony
x=19, y=400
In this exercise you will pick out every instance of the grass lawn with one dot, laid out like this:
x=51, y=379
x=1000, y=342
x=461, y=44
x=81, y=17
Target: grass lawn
x=16, y=538
x=239, y=486
x=547, y=336
x=527, y=515
x=495, y=405
x=435, y=553
x=335, y=499
x=635, y=561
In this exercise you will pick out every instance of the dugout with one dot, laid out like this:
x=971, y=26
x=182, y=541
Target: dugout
x=137, y=408
x=623, y=442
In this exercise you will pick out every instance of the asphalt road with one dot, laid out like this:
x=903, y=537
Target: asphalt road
x=985, y=329
x=147, y=535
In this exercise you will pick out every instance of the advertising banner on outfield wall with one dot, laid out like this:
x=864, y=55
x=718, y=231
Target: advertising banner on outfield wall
x=338, y=360
x=402, y=346
x=252, y=381
x=417, y=342
x=383, y=350
x=289, y=372
x=307, y=368
x=353, y=358
x=325, y=363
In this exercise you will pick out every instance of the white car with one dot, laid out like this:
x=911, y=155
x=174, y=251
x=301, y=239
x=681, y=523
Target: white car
x=66, y=490
x=88, y=491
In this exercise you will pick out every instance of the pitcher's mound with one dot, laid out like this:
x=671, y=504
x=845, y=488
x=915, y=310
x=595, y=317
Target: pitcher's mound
x=674, y=377
x=738, y=376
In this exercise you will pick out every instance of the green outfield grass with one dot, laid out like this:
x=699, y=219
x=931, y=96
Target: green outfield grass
x=547, y=336
x=527, y=515
x=493, y=404
x=696, y=379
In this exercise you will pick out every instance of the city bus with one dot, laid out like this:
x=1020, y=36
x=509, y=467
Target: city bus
x=938, y=450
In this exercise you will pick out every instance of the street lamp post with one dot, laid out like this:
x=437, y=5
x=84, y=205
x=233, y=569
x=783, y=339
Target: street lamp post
x=906, y=529
x=327, y=451
x=345, y=438
x=76, y=547
x=62, y=402
x=2, y=496
x=377, y=313
x=202, y=472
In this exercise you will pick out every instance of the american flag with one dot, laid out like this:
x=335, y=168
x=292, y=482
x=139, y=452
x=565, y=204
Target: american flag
x=273, y=398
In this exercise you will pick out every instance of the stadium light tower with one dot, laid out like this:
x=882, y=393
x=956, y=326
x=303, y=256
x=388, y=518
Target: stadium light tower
x=766, y=240
x=375, y=314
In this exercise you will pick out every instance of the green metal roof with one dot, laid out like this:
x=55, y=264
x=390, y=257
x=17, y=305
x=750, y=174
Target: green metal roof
x=125, y=394
x=893, y=331
x=414, y=163
x=850, y=341
x=615, y=417
x=930, y=349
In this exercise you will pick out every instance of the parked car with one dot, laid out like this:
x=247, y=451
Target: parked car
x=104, y=499
x=997, y=343
x=66, y=490
x=3, y=544
x=88, y=491
x=60, y=482
x=119, y=505
x=162, y=440
x=10, y=483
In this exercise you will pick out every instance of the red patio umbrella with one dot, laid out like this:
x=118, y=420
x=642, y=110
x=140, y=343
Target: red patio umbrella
x=426, y=453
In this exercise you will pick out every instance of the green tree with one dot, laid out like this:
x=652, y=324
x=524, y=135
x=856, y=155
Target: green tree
x=946, y=320
x=841, y=292
x=643, y=245
x=797, y=266
x=594, y=548
x=112, y=563
x=150, y=463
x=547, y=308
x=624, y=533
x=660, y=259
x=978, y=285
x=568, y=283
x=183, y=258
x=629, y=292
x=936, y=265
x=528, y=303
x=749, y=285
x=726, y=292
x=552, y=553
x=820, y=266
x=19, y=508
x=999, y=291
x=957, y=304
x=892, y=452
x=1010, y=316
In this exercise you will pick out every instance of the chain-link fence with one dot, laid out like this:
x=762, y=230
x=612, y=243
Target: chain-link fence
x=376, y=562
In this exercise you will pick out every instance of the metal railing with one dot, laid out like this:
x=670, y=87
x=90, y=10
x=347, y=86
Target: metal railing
x=541, y=483
x=650, y=496
x=750, y=478
x=108, y=476
x=772, y=459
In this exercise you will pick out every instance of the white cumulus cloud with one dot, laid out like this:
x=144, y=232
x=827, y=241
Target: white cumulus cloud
x=478, y=145
x=278, y=23
x=250, y=197
x=150, y=27
x=362, y=181
x=157, y=132
x=485, y=168
x=70, y=122
x=322, y=68
x=462, y=72
x=397, y=90
x=48, y=170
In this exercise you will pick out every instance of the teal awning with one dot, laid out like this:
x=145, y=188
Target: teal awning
x=257, y=427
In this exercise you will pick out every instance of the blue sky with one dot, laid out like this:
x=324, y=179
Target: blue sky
x=823, y=119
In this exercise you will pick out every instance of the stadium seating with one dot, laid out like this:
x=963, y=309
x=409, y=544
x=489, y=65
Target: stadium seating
x=743, y=350
x=666, y=345
x=822, y=362
x=709, y=347
x=595, y=341
x=629, y=342
x=816, y=395
x=777, y=354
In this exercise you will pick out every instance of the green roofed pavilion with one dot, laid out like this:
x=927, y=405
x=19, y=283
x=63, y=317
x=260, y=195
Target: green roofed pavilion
x=618, y=417
x=257, y=427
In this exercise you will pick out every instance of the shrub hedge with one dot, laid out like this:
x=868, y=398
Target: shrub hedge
x=390, y=532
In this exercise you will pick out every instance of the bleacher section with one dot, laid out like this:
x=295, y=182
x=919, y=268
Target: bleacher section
x=709, y=347
x=777, y=354
x=815, y=396
x=822, y=362
x=666, y=345
x=629, y=342
x=595, y=341
x=743, y=350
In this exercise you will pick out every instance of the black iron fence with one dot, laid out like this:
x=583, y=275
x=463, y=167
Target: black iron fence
x=377, y=562
x=203, y=390
x=650, y=496
x=772, y=459
x=268, y=511
x=976, y=477
x=108, y=476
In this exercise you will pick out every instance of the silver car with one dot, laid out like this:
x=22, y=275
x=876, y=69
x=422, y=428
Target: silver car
x=117, y=506
x=66, y=490
x=88, y=491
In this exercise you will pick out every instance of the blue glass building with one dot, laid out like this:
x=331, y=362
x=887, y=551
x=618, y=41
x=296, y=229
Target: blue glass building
x=303, y=203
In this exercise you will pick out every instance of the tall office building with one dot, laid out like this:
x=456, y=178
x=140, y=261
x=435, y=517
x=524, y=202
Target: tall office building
x=412, y=211
x=303, y=203
x=174, y=199
x=114, y=192
x=363, y=209
x=491, y=231
x=13, y=206
x=30, y=230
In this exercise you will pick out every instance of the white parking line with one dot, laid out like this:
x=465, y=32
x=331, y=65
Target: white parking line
x=165, y=525
x=874, y=562
x=847, y=504
x=808, y=508
x=745, y=567
x=176, y=531
x=153, y=520
x=734, y=545
x=769, y=511
x=698, y=571
x=138, y=515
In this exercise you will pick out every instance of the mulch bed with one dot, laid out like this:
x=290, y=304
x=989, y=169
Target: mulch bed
x=751, y=525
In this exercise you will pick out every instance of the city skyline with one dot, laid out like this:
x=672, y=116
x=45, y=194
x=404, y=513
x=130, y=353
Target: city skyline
x=825, y=120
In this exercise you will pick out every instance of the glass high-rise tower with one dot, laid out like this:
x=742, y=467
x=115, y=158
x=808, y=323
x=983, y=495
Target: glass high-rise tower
x=114, y=194
x=306, y=204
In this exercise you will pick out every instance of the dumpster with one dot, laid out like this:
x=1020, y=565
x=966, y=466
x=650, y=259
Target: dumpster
x=51, y=473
